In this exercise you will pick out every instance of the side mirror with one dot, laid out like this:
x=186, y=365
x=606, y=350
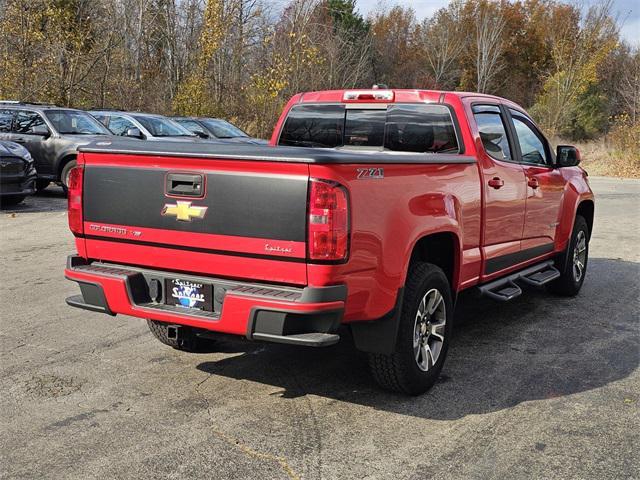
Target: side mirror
x=41, y=130
x=567, y=156
x=201, y=134
x=134, y=133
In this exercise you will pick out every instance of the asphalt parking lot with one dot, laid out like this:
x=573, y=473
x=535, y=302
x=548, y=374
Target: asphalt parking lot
x=543, y=387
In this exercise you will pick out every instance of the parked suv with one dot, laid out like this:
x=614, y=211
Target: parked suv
x=217, y=129
x=51, y=134
x=144, y=126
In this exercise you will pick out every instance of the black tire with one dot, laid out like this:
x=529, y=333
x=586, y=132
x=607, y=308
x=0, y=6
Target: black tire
x=42, y=184
x=569, y=283
x=11, y=200
x=64, y=174
x=188, y=341
x=400, y=371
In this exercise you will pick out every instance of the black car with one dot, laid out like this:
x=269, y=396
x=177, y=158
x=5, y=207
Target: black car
x=17, y=173
x=217, y=129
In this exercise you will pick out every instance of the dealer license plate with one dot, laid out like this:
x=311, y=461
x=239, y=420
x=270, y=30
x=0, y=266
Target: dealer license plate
x=187, y=294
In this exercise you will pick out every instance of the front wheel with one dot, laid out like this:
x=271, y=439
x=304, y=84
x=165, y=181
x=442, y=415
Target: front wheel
x=424, y=332
x=574, y=270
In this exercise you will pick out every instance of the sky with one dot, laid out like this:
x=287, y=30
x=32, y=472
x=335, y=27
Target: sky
x=627, y=11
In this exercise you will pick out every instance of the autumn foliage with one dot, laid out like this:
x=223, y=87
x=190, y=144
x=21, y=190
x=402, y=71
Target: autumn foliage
x=242, y=59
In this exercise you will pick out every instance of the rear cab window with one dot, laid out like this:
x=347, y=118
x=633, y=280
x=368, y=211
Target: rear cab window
x=415, y=128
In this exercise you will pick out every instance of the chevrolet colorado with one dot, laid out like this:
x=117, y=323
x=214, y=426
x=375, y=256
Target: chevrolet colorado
x=371, y=209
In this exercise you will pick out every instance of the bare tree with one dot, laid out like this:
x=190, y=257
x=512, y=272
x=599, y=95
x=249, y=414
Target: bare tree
x=442, y=41
x=488, y=45
x=629, y=87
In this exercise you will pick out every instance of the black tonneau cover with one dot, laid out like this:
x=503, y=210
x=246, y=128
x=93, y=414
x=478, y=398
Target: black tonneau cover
x=265, y=153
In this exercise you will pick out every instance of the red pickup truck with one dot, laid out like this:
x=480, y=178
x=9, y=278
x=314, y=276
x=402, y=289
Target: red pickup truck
x=370, y=209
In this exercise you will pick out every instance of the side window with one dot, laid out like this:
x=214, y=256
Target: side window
x=6, y=117
x=192, y=126
x=101, y=118
x=27, y=121
x=492, y=131
x=531, y=142
x=120, y=125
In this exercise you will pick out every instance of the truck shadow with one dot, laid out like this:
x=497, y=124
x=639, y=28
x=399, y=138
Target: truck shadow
x=536, y=347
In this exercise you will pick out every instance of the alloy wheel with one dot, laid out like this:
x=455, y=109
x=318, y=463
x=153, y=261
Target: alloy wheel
x=579, y=256
x=429, y=329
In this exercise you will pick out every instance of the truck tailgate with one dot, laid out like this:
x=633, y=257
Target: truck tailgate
x=225, y=218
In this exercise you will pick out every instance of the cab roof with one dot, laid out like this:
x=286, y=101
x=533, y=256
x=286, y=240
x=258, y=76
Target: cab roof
x=373, y=95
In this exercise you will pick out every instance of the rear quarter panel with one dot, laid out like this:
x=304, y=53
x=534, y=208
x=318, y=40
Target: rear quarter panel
x=389, y=216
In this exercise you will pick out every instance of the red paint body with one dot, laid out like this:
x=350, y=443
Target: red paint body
x=535, y=206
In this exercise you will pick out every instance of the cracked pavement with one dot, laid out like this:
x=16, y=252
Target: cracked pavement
x=542, y=387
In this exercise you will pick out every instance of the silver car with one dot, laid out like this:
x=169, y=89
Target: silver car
x=217, y=129
x=51, y=134
x=144, y=126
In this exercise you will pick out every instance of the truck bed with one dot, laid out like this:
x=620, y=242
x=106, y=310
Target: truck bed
x=266, y=153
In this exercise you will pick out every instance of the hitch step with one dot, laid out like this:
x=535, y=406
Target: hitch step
x=315, y=339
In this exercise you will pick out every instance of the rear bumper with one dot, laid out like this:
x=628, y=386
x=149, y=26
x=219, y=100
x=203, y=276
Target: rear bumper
x=304, y=316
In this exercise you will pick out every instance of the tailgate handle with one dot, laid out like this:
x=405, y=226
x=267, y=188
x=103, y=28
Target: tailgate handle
x=185, y=184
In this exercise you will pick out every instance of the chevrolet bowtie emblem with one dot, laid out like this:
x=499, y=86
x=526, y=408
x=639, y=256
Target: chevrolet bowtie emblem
x=183, y=211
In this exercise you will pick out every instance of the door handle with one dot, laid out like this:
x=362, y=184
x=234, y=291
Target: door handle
x=496, y=182
x=533, y=182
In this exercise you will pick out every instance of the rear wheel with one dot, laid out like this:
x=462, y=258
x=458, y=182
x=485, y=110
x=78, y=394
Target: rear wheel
x=11, y=200
x=423, y=334
x=186, y=340
x=66, y=171
x=574, y=270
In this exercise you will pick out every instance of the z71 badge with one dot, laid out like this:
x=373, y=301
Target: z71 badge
x=374, y=173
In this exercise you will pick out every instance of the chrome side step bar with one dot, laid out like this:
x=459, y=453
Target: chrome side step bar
x=506, y=288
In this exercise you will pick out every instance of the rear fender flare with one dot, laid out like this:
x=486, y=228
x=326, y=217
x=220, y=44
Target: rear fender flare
x=379, y=336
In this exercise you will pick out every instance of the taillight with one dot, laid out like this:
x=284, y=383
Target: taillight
x=328, y=221
x=74, y=197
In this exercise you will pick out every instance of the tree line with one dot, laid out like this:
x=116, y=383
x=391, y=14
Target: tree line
x=242, y=59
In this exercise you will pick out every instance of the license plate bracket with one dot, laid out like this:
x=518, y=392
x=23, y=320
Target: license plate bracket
x=188, y=294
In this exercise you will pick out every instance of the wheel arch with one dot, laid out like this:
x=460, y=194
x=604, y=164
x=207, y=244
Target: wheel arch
x=62, y=161
x=442, y=249
x=586, y=209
